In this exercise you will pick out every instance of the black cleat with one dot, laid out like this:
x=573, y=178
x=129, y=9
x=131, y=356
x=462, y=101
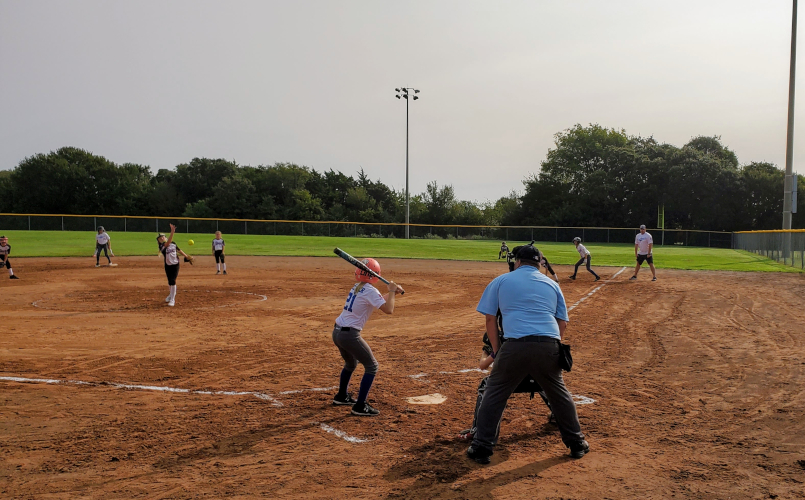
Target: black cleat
x=654, y=278
x=597, y=278
x=633, y=278
x=364, y=410
x=13, y=277
x=340, y=400
x=224, y=273
x=572, y=277
x=579, y=449
x=480, y=455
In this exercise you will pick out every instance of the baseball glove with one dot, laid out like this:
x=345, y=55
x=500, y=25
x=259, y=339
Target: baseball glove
x=190, y=259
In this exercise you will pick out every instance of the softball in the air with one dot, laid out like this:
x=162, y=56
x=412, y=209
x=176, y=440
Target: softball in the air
x=191, y=242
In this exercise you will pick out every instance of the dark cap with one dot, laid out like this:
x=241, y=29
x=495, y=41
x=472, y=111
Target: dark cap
x=526, y=252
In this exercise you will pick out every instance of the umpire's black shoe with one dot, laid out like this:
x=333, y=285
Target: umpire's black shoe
x=579, y=449
x=364, y=410
x=341, y=400
x=480, y=455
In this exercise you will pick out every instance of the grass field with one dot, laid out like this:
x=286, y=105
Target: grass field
x=82, y=244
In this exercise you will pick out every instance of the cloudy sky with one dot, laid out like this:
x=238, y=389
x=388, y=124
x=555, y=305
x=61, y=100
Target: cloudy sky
x=312, y=82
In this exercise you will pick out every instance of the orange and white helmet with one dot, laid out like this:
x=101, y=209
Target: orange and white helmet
x=366, y=277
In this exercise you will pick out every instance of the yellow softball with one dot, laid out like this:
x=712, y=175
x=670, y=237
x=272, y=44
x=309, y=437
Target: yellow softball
x=191, y=242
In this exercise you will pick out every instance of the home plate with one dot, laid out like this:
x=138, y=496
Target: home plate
x=427, y=399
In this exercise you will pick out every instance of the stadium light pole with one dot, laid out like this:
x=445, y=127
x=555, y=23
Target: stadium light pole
x=789, y=147
x=408, y=94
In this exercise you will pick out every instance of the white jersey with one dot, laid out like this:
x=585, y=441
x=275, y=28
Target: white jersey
x=217, y=244
x=360, y=306
x=583, y=252
x=171, y=254
x=102, y=238
x=642, y=240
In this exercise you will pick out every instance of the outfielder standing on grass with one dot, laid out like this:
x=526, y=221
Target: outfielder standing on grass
x=170, y=253
x=585, y=256
x=535, y=316
x=5, y=250
x=643, y=246
x=362, y=301
x=103, y=243
x=218, y=251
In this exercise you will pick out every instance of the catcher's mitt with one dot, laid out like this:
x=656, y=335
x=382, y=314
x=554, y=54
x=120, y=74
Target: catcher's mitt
x=190, y=259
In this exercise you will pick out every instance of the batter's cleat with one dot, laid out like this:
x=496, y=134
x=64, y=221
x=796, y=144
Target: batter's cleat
x=219, y=272
x=171, y=303
x=13, y=277
x=224, y=273
x=572, y=277
x=579, y=449
x=633, y=278
x=654, y=278
x=597, y=278
x=480, y=455
x=364, y=410
x=97, y=265
x=466, y=435
x=340, y=400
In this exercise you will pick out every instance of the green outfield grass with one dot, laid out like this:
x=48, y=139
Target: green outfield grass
x=82, y=244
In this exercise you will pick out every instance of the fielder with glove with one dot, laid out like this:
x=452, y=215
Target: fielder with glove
x=170, y=254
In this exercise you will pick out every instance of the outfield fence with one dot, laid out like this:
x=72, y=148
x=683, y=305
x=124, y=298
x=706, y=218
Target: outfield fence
x=785, y=246
x=58, y=222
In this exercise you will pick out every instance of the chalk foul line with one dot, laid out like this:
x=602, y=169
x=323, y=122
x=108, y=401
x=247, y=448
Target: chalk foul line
x=343, y=435
x=136, y=387
x=602, y=285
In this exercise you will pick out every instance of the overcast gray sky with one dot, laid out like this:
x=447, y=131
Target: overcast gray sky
x=312, y=82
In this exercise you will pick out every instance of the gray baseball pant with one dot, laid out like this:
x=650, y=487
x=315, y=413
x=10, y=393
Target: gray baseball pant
x=354, y=350
x=514, y=361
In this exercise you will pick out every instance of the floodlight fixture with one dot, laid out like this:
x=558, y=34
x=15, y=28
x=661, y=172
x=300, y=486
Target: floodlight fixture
x=403, y=93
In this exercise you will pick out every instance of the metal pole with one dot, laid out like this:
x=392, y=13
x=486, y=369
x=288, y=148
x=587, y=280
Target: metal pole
x=789, y=147
x=245, y=227
x=29, y=223
x=407, y=196
x=125, y=225
x=62, y=223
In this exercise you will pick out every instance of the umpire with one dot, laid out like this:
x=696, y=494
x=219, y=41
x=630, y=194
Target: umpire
x=534, y=318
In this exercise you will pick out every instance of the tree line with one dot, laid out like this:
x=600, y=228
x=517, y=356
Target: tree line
x=593, y=176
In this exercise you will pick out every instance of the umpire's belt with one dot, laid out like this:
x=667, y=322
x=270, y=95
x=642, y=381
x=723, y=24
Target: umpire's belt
x=533, y=338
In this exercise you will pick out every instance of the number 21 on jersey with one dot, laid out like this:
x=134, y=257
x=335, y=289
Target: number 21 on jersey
x=350, y=301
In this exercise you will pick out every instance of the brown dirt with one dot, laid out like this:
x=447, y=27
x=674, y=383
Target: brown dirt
x=697, y=381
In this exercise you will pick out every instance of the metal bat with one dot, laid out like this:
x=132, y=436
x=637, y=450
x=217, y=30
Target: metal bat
x=360, y=265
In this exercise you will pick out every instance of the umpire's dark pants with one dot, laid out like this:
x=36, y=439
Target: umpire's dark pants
x=514, y=361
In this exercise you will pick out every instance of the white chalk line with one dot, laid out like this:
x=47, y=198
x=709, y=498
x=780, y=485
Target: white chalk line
x=260, y=296
x=312, y=389
x=595, y=290
x=259, y=395
x=343, y=435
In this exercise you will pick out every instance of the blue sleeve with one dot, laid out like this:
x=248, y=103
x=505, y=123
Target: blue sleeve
x=561, y=307
x=489, y=303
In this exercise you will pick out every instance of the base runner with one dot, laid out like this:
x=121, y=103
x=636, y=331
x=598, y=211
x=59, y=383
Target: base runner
x=585, y=256
x=219, y=252
x=5, y=250
x=362, y=301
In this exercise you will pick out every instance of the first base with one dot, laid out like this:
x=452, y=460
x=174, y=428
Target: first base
x=427, y=399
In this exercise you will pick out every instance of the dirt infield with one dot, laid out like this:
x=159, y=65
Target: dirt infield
x=693, y=385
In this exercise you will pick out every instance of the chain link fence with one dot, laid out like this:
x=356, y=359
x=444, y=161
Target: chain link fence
x=787, y=247
x=43, y=222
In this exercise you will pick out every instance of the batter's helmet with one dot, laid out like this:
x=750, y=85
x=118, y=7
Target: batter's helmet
x=576, y=239
x=366, y=277
x=100, y=228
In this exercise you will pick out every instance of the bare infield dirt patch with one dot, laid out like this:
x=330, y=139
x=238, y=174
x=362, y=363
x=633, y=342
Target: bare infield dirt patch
x=696, y=382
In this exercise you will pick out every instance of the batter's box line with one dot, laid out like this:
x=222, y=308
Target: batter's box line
x=137, y=387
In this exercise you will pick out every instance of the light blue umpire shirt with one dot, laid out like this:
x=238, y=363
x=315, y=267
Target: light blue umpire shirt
x=529, y=302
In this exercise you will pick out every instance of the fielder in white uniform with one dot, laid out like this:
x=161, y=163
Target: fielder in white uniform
x=5, y=251
x=362, y=301
x=103, y=243
x=643, y=247
x=219, y=251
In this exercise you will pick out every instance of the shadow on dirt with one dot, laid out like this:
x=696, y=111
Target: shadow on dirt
x=438, y=465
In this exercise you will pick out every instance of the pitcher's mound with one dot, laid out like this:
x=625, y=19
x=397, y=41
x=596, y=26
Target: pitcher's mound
x=427, y=399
